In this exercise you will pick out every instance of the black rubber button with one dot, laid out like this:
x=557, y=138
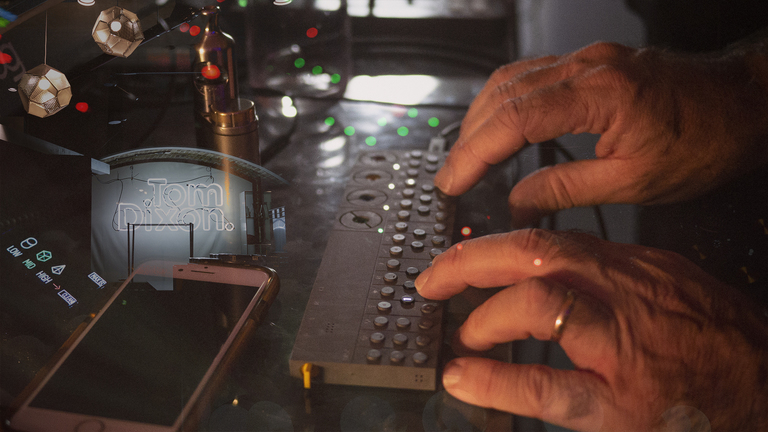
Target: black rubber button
x=403, y=323
x=398, y=239
x=412, y=272
x=396, y=357
x=440, y=228
x=407, y=301
x=400, y=340
x=419, y=233
x=396, y=251
x=373, y=356
x=438, y=241
x=377, y=338
x=426, y=324
x=409, y=285
x=409, y=193
x=394, y=264
x=401, y=227
x=384, y=306
x=420, y=358
x=428, y=308
x=424, y=210
x=390, y=278
x=381, y=322
x=403, y=215
x=435, y=252
x=425, y=199
x=387, y=292
x=428, y=188
x=406, y=204
x=423, y=341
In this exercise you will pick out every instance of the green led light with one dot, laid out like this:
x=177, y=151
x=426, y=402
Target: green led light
x=381, y=230
x=242, y=3
x=4, y=22
x=402, y=131
x=317, y=70
x=413, y=112
x=382, y=122
x=434, y=122
x=371, y=141
x=335, y=78
x=330, y=121
x=349, y=130
x=299, y=63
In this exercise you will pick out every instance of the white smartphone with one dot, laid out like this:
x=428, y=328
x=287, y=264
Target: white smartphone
x=150, y=359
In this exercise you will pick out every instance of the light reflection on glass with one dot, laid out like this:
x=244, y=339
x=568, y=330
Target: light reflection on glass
x=332, y=162
x=333, y=144
x=398, y=89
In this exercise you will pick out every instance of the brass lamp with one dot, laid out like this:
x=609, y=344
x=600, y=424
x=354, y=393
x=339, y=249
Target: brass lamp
x=44, y=91
x=117, y=31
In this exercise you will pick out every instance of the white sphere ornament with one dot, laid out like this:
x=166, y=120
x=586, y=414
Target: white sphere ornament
x=44, y=91
x=117, y=31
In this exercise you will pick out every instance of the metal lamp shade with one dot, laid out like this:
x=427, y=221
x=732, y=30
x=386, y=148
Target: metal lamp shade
x=44, y=91
x=117, y=31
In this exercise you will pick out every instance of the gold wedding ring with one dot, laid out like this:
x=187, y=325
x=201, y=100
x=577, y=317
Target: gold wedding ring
x=562, y=317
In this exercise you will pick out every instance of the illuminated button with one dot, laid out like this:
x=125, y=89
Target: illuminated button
x=412, y=272
x=441, y=216
x=438, y=241
x=390, y=278
x=373, y=356
x=409, y=285
x=401, y=227
x=400, y=340
x=423, y=210
x=377, y=339
x=426, y=323
x=428, y=187
x=407, y=301
x=406, y=204
x=393, y=264
x=423, y=341
x=420, y=358
x=425, y=199
x=419, y=233
x=410, y=182
x=403, y=323
x=396, y=357
x=428, y=308
x=381, y=322
x=440, y=228
x=417, y=154
x=433, y=159
x=396, y=251
x=431, y=168
x=384, y=306
x=387, y=292
x=414, y=163
x=435, y=252
x=409, y=193
x=398, y=239
x=417, y=246
x=412, y=173
x=403, y=215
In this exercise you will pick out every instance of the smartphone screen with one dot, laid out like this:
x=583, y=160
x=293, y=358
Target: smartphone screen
x=148, y=352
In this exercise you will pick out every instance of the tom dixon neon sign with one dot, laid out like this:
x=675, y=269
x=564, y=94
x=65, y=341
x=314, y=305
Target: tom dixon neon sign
x=199, y=204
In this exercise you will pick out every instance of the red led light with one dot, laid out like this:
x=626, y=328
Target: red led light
x=312, y=32
x=537, y=262
x=466, y=231
x=5, y=58
x=194, y=30
x=184, y=27
x=81, y=106
x=459, y=246
x=211, y=72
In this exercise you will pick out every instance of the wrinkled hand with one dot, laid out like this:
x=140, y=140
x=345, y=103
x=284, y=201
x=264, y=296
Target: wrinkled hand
x=672, y=127
x=649, y=334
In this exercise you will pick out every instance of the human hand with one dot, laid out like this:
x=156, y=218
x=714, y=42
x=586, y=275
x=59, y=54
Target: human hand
x=649, y=333
x=672, y=127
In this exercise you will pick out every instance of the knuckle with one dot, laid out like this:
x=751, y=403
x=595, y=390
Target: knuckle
x=560, y=187
x=538, y=382
x=604, y=50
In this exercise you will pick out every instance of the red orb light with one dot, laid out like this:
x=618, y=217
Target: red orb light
x=5, y=58
x=466, y=231
x=312, y=32
x=82, y=107
x=537, y=262
x=194, y=30
x=184, y=27
x=211, y=72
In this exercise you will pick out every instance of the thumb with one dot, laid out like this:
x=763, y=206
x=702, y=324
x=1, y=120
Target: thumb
x=566, y=398
x=571, y=184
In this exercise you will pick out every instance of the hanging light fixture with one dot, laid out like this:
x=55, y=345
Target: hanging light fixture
x=117, y=31
x=43, y=90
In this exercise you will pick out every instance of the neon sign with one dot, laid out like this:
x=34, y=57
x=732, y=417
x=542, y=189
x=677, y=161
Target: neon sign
x=173, y=206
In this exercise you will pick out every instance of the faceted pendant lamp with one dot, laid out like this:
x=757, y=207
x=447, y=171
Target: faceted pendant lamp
x=44, y=91
x=117, y=31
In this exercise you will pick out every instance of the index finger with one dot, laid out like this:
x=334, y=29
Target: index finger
x=490, y=261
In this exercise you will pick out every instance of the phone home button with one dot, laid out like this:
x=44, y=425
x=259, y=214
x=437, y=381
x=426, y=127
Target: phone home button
x=90, y=426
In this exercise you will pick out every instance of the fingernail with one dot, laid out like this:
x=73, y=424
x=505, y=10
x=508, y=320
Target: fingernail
x=422, y=279
x=444, y=178
x=452, y=374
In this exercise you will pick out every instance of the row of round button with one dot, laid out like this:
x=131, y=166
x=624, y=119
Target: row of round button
x=402, y=323
x=396, y=357
x=399, y=340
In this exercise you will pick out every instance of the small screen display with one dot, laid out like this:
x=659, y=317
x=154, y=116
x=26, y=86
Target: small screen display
x=144, y=357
